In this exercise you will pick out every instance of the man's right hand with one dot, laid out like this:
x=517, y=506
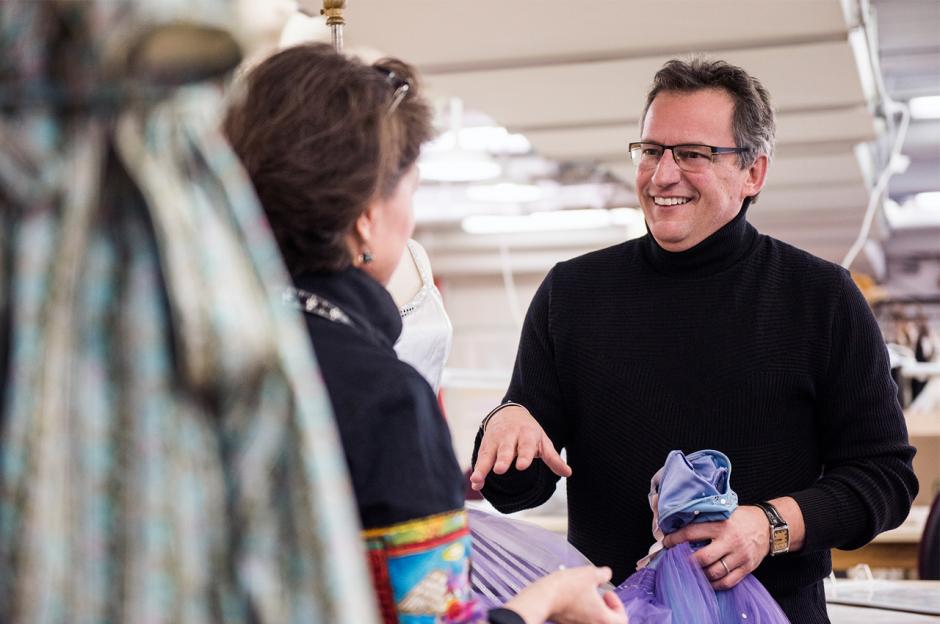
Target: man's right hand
x=513, y=434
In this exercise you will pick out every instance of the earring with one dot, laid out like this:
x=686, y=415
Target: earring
x=365, y=257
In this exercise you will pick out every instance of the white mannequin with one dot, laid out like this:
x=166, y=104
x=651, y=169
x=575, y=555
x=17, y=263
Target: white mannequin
x=426, y=329
x=406, y=280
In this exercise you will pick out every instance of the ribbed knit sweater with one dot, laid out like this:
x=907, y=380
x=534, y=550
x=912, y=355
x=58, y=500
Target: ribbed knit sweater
x=742, y=344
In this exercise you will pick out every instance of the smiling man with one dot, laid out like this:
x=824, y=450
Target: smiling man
x=705, y=334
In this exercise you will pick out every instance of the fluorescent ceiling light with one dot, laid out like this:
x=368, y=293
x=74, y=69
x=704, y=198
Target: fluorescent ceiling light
x=928, y=201
x=458, y=165
x=926, y=107
x=552, y=221
x=507, y=192
x=493, y=139
x=918, y=212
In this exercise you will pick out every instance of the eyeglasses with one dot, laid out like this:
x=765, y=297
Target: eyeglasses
x=400, y=85
x=689, y=157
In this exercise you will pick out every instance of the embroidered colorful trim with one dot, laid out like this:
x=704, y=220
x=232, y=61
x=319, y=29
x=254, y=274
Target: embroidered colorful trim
x=421, y=570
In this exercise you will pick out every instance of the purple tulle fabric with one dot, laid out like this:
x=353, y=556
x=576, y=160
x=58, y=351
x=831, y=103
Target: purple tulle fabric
x=673, y=587
x=675, y=590
x=509, y=554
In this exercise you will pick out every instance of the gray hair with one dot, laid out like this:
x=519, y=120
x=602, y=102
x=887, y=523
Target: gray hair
x=753, y=121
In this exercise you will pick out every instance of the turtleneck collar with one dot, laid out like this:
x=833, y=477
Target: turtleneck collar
x=714, y=254
x=362, y=298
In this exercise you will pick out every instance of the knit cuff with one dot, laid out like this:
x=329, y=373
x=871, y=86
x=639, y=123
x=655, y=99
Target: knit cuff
x=516, y=489
x=504, y=616
x=830, y=521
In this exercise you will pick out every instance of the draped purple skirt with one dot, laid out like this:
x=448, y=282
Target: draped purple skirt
x=510, y=554
x=674, y=589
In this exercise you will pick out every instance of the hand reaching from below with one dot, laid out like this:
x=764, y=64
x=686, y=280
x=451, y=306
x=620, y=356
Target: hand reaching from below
x=570, y=597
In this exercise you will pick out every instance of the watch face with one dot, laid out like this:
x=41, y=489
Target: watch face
x=781, y=539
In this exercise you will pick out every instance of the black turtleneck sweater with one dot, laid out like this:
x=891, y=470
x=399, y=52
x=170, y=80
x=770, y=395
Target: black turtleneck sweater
x=742, y=344
x=397, y=444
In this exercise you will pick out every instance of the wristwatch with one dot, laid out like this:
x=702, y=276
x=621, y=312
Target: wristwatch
x=779, y=529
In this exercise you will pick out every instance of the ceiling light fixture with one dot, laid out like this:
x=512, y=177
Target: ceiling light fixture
x=925, y=107
x=920, y=211
x=451, y=161
x=492, y=139
x=556, y=220
x=458, y=166
x=928, y=201
x=505, y=192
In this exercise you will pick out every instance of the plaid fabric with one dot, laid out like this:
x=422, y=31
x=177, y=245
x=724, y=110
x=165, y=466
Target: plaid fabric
x=167, y=450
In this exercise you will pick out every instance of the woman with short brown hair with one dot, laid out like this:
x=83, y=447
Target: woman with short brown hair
x=331, y=146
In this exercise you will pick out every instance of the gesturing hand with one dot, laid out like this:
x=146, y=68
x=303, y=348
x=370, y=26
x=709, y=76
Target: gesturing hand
x=513, y=434
x=737, y=547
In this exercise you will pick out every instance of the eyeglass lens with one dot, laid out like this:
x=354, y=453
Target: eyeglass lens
x=687, y=157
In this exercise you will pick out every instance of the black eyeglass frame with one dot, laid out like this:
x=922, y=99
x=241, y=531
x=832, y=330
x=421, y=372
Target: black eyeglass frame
x=400, y=85
x=715, y=151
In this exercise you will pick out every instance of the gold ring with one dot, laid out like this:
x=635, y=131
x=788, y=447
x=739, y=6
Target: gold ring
x=725, y=566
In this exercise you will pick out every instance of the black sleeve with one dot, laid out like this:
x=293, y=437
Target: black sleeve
x=868, y=482
x=400, y=453
x=536, y=386
x=504, y=616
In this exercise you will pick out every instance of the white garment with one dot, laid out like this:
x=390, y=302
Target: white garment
x=426, y=332
x=653, y=498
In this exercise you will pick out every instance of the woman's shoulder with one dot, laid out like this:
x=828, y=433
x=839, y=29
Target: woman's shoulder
x=400, y=392
x=372, y=386
x=399, y=450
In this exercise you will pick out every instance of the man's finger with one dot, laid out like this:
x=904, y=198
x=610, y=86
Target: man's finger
x=729, y=581
x=527, y=450
x=504, y=456
x=485, y=459
x=718, y=569
x=707, y=555
x=552, y=459
x=676, y=537
x=694, y=533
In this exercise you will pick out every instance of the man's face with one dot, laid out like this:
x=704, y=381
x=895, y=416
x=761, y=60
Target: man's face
x=682, y=209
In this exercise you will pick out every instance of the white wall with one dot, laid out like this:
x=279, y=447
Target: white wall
x=485, y=340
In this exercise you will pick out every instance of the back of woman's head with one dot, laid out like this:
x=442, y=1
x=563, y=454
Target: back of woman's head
x=321, y=135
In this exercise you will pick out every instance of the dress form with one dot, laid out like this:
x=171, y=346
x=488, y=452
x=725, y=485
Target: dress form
x=426, y=329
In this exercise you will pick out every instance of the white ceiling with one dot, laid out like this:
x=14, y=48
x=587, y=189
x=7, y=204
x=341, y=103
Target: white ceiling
x=909, y=43
x=572, y=77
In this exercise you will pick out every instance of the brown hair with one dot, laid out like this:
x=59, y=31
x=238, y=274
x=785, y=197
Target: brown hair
x=319, y=138
x=753, y=121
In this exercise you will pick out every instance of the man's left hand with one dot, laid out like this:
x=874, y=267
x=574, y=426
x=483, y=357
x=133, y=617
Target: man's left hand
x=739, y=544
